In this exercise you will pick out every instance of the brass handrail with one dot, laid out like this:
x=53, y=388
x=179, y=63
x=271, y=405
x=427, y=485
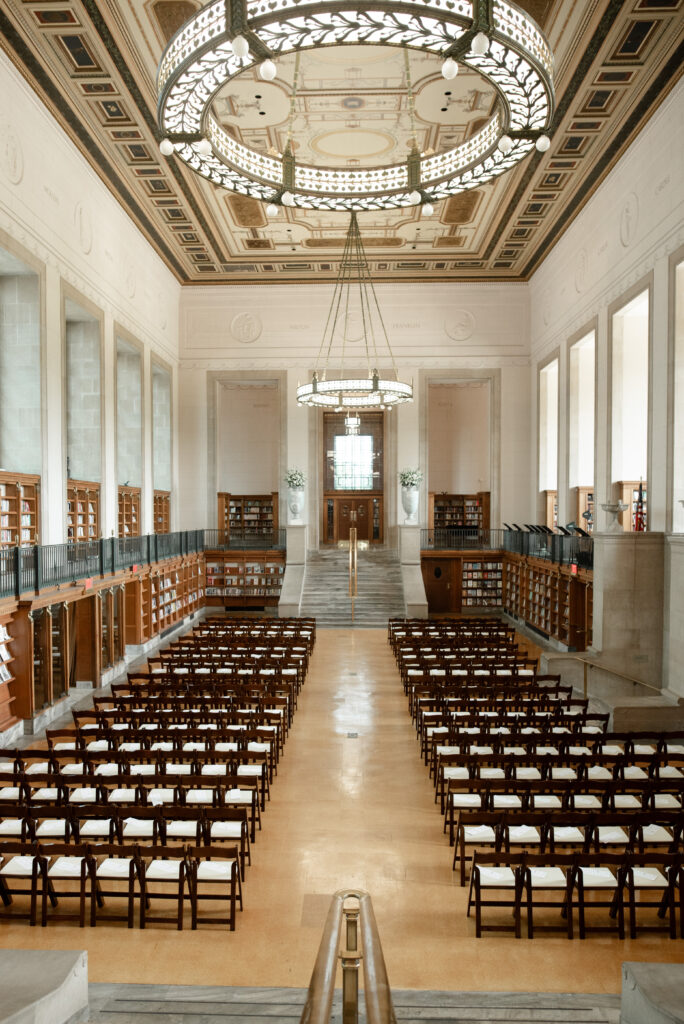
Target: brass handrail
x=378, y=997
x=623, y=675
x=353, y=567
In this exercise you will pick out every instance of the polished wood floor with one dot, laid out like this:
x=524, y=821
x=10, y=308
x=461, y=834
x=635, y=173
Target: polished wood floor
x=352, y=806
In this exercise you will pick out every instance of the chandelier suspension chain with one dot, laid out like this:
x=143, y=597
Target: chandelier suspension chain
x=409, y=98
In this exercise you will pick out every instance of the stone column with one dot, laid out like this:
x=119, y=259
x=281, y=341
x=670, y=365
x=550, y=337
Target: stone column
x=628, y=604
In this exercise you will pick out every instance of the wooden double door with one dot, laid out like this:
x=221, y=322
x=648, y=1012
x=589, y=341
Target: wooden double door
x=342, y=511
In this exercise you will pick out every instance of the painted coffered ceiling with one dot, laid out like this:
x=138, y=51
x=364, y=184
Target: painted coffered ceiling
x=94, y=65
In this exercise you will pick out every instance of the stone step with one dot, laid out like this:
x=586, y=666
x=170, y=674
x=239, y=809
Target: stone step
x=182, y=1004
x=325, y=591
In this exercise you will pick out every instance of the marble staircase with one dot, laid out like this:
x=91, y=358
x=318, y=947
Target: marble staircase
x=325, y=592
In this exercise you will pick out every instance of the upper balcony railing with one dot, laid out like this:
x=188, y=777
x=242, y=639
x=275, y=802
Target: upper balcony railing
x=26, y=570
x=552, y=547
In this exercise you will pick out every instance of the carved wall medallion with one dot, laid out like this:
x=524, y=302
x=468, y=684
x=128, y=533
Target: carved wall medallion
x=460, y=325
x=84, y=227
x=11, y=153
x=246, y=328
x=629, y=219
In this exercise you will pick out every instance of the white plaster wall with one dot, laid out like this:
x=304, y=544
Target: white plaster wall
x=458, y=438
x=548, y=427
x=678, y=411
x=20, y=387
x=248, y=439
x=129, y=423
x=582, y=358
x=61, y=214
x=626, y=232
x=83, y=400
x=629, y=393
x=463, y=329
x=162, y=427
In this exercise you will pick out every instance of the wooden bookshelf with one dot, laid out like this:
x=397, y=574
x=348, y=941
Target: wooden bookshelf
x=129, y=511
x=628, y=493
x=584, y=502
x=7, y=694
x=255, y=514
x=458, y=511
x=245, y=578
x=161, y=597
x=83, y=510
x=162, y=511
x=19, y=510
x=553, y=599
x=481, y=583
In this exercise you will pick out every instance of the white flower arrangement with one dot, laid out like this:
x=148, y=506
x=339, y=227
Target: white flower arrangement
x=410, y=477
x=295, y=479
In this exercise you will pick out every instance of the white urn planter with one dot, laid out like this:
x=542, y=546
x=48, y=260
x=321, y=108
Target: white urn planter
x=295, y=504
x=614, y=509
x=410, y=497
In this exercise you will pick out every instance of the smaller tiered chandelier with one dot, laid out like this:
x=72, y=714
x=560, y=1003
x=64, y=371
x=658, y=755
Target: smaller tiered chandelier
x=354, y=301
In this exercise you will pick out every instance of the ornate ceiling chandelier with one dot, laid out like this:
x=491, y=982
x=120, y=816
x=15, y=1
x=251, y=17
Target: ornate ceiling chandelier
x=354, y=316
x=493, y=37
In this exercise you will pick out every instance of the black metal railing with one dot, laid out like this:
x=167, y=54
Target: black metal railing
x=550, y=547
x=32, y=569
x=465, y=538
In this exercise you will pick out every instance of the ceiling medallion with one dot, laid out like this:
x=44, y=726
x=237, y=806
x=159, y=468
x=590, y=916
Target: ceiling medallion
x=330, y=387
x=495, y=38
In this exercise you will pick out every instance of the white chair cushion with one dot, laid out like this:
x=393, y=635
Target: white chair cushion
x=507, y=800
x=598, y=878
x=492, y=773
x=20, y=867
x=523, y=834
x=226, y=830
x=527, y=772
x=215, y=871
x=96, y=745
x=160, y=796
x=122, y=796
x=239, y=796
x=656, y=834
x=667, y=801
x=627, y=801
x=11, y=827
x=454, y=772
x=466, y=800
x=546, y=802
x=182, y=829
x=143, y=769
x=109, y=768
x=611, y=835
x=597, y=771
x=254, y=771
x=51, y=828
x=547, y=878
x=9, y=793
x=161, y=870
x=138, y=828
x=73, y=768
x=178, y=769
x=214, y=769
x=567, y=834
x=668, y=771
x=649, y=878
x=83, y=795
x=38, y=768
x=587, y=802
x=563, y=773
x=96, y=827
x=633, y=771
x=45, y=793
x=496, y=878
x=114, y=867
x=478, y=834
x=66, y=867
x=199, y=796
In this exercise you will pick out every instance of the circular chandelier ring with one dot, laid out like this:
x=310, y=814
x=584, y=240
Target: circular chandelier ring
x=199, y=61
